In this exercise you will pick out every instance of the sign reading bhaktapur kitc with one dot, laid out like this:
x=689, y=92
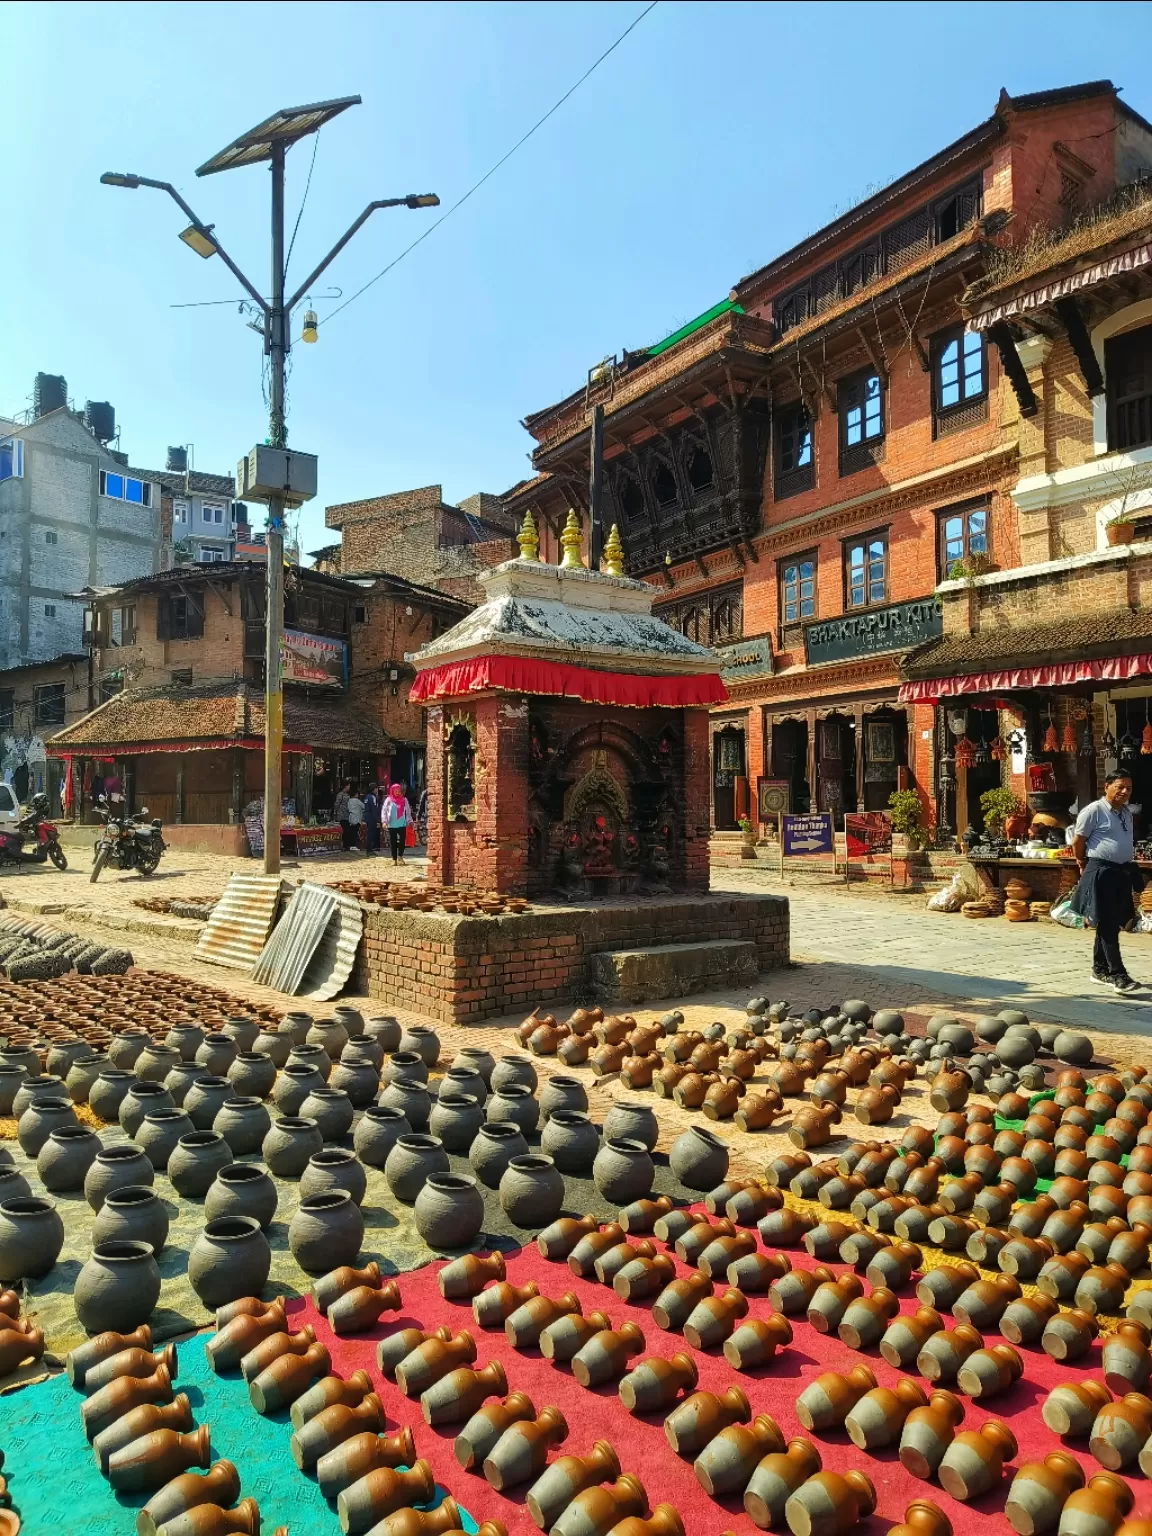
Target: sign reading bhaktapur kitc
x=894, y=628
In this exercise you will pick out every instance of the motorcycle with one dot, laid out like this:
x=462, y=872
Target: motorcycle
x=46, y=839
x=126, y=841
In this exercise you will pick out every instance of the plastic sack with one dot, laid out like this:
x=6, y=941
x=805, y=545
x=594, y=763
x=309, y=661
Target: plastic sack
x=950, y=897
x=1061, y=912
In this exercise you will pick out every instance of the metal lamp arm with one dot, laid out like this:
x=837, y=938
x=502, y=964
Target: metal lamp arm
x=166, y=186
x=388, y=202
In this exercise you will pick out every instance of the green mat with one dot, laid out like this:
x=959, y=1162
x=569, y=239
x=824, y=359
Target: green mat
x=55, y=1485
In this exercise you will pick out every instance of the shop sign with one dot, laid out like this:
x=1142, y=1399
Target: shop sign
x=895, y=628
x=314, y=659
x=801, y=835
x=867, y=833
x=746, y=660
x=313, y=841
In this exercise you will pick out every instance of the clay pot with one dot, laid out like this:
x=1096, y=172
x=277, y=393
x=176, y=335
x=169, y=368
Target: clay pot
x=335, y=1422
x=31, y=1237
x=289, y=1145
x=603, y=1356
x=121, y=1395
x=571, y=1140
x=431, y=1359
x=1024, y=1320
x=326, y=1229
x=499, y=1301
x=830, y=1504
x=103, y=1347
x=411, y=1162
x=334, y=1168
x=1069, y=1335
x=106, y=1094
x=726, y=1463
x=830, y=1301
x=597, y=1510
x=376, y=1133
x=714, y=1318
x=699, y=1158
x=241, y=1189
x=448, y=1211
x=1039, y=1492
x=155, y=1061
x=532, y=1191
x=522, y=1449
x=565, y=1479
x=527, y=1321
x=140, y=1100
x=700, y=1418
x=274, y=1043
x=1098, y=1508
x=941, y=1287
x=826, y=1401
x=496, y=1144
x=1125, y=1358
x=655, y=1384
x=877, y=1419
x=40, y=1119
x=196, y=1160
x=144, y=1420
x=361, y=1307
x=558, y=1240
x=484, y=1429
x=561, y=1094
x=676, y=1302
x=1121, y=1430
x=205, y=1099
x=360, y=1454
x=424, y=1041
x=253, y=1074
x=183, y=1496
x=332, y=1111
x=988, y=1371
x=230, y=1258
x=974, y=1462
x=241, y=1334
x=82, y=1075
x=287, y=1378
x=515, y=1103
x=629, y=1120
x=456, y=1396
x=244, y=1123
x=294, y=1083
x=385, y=1030
x=755, y=1341
x=157, y=1458
x=467, y=1276
x=63, y=1161
x=775, y=1479
x=1102, y=1289
x=565, y=1337
x=133, y=1214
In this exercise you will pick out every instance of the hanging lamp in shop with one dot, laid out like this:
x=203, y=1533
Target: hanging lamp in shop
x=1068, y=739
x=1051, y=743
x=964, y=753
x=1146, y=734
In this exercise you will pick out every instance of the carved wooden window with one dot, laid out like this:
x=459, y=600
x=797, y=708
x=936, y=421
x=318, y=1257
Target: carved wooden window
x=797, y=588
x=1128, y=375
x=726, y=620
x=956, y=211
x=795, y=467
x=700, y=472
x=866, y=571
x=631, y=497
x=461, y=765
x=664, y=486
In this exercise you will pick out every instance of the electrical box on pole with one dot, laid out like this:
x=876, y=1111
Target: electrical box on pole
x=267, y=472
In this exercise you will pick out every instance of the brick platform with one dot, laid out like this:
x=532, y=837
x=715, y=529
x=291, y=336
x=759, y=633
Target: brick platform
x=461, y=969
x=672, y=970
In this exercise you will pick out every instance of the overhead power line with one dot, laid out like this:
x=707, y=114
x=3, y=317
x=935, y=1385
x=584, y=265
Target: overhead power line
x=460, y=201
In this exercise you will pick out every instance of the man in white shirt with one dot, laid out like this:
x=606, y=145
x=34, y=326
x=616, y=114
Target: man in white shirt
x=1103, y=847
x=355, y=820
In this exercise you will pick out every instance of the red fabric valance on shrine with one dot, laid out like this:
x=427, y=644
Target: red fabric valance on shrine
x=1111, y=669
x=527, y=674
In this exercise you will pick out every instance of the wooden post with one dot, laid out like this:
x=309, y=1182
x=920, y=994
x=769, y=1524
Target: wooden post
x=237, y=785
x=859, y=757
x=595, y=489
x=811, y=765
x=178, y=809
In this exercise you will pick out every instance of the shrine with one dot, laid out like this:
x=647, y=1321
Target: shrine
x=567, y=736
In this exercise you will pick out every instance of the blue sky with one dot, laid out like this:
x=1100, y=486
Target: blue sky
x=716, y=136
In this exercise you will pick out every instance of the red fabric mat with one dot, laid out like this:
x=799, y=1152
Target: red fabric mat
x=640, y=1442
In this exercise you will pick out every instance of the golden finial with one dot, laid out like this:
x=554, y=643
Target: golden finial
x=572, y=538
x=614, y=554
x=528, y=539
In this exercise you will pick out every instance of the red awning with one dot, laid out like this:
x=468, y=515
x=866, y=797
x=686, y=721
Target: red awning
x=526, y=674
x=1113, y=669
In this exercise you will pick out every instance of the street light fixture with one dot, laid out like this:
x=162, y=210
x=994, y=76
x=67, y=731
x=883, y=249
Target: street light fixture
x=270, y=141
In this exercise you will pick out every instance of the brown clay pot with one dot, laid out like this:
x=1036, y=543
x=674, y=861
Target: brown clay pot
x=907, y=1334
x=701, y=1417
x=727, y=1461
x=656, y=1383
x=974, y=1462
x=826, y=1401
x=928, y=1432
x=466, y=1276
x=774, y=1480
x=1039, y=1492
x=1121, y=1430
x=354, y=1458
x=431, y=1360
x=877, y=1418
x=1098, y=1508
x=830, y=1502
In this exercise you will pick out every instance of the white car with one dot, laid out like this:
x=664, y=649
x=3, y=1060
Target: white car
x=9, y=807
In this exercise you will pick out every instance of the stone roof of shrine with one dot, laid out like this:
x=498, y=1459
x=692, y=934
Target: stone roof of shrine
x=580, y=616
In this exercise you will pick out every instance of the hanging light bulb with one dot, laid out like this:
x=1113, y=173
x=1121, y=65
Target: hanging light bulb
x=310, y=332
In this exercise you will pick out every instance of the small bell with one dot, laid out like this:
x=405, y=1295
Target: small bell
x=999, y=751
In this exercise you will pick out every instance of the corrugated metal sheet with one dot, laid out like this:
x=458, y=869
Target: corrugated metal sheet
x=295, y=939
x=331, y=965
x=238, y=927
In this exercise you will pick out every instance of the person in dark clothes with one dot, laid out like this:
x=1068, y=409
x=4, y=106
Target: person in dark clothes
x=371, y=820
x=1103, y=848
x=340, y=812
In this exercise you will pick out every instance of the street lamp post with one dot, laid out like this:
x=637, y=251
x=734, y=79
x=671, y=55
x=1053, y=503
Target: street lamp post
x=270, y=141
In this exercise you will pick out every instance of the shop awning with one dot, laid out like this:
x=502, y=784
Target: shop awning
x=527, y=674
x=1112, y=669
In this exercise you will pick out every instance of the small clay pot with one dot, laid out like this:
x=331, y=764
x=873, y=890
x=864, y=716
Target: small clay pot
x=376, y=1133
x=1121, y=1430
x=557, y=1241
x=361, y=1307
x=411, y=1161
x=465, y=1277
x=135, y=1213
x=1024, y=1320
x=698, y=1158
x=565, y=1479
x=484, y=1429
x=532, y=1191
x=974, y=1462
x=726, y=1463
x=776, y=1477
x=117, y=1288
x=65, y=1158
x=31, y=1237
x=1098, y=1508
x=495, y=1145
x=326, y=1229
x=563, y=1339
x=229, y=1259
x=1069, y=1335
x=702, y=1416
x=677, y=1301
x=456, y=1396
x=1071, y=1408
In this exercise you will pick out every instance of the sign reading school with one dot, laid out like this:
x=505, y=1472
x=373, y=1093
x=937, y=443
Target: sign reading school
x=802, y=835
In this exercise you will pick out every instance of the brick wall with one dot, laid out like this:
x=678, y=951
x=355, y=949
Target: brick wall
x=379, y=643
x=463, y=969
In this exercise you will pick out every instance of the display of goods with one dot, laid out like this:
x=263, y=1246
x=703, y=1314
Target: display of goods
x=423, y=896
x=976, y=909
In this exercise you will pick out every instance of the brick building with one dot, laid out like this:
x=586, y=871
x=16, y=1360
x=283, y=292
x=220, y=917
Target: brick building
x=801, y=467
x=178, y=669
x=419, y=536
x=35, y=701
x=1057, y=646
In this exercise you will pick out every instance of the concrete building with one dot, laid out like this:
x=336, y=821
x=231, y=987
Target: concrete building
x=203, y=511
x=73, y=513
x=35, y=701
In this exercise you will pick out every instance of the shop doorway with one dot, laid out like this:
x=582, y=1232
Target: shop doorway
x=885, y=752
x=836, y=764
x=1132, y=715
x=985, y=772
x=728, y=766
x=790, y=761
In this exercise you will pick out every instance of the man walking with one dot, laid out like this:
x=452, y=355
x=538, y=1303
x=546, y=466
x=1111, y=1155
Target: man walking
x=340, y=812
x=1103, y=847
x=371, y=820
x=355, y=820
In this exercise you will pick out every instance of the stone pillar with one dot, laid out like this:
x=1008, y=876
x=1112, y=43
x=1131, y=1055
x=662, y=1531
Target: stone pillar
x=501, y=844
x=693, y=874
x=437, y=793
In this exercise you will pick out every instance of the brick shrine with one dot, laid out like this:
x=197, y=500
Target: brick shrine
x=567, y=761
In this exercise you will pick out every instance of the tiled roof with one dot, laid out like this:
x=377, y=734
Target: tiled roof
x=218, y=712
x=1101, y=634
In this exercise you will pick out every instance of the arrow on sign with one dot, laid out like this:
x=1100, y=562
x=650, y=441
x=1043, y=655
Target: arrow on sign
x=808, y=842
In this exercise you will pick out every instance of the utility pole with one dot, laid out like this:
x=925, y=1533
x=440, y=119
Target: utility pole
x=271, y=474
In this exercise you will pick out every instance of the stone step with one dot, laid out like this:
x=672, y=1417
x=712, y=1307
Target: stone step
x=672, y=970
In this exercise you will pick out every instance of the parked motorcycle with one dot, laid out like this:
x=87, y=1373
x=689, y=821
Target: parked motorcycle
x=34, y=824
x=127, y=842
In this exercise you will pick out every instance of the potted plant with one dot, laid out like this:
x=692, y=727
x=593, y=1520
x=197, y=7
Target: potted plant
x=748, y=829
x=907, y=817
x=969, y=567
x=999, y=807
x=1120, y=530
